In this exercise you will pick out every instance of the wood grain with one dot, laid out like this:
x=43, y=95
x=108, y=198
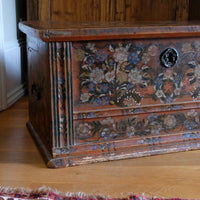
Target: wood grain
x=38, y=86
x=182, y=10
x=194, y=13
x=69, y=31
x=32, y=10
x=44, y=9
x=169, y=175
x=108, y=10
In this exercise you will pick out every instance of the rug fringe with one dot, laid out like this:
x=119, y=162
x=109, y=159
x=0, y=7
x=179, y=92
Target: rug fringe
x=45, y=189
x=79, y=195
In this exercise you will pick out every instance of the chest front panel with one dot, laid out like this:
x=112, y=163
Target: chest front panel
x=124, y=88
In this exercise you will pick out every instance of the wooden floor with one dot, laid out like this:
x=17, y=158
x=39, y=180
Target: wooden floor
x=169, y=175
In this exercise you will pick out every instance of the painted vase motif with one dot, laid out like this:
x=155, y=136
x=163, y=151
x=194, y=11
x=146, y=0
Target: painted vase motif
x=124, y=73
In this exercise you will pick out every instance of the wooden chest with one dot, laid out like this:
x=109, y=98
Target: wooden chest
x=110, y=91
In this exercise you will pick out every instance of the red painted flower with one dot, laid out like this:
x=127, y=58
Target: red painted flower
x=168, y=87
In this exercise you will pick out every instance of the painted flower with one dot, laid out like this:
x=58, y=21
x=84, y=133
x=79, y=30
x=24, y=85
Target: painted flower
x=177, y=79
x=122, y=77
x=90, y=46
x=197, y=71
x=130, y=131
x=156, y=127
x=91, y=115
x=129, y=67
x=168, y=87
x=192, y=114
x=195, y=93
x=134, y=76
x=153, y=50
x=190, y=125
x=110, y=76
x=106, y=134
x=169, y=74
x=197, y=44
x=188, y=57
x=159, y=93
x=177, y=91
x=80, y=55
x=104, y=100
x=101, y=55
x=145, y=58
x=139, y=47
x=85, y=97
x=91, y=87
x=170, y=121
x=86, y=67
x=153, y=117
x=89, y=60
x=108, y=121
x=158, y=82
x=133, y=58
x=96, y=102
x=130, y=86
x=168, y=99
x=192, y=65
x=110, y=62
x=198, y=56
x=105, y=131
x=105, y=87
x=121, y=55
x=129, y=101
x=186, y=48
x=96, y=75
x=84, y=129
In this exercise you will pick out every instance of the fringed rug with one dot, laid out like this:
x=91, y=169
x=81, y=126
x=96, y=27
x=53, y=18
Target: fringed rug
x=50, y=194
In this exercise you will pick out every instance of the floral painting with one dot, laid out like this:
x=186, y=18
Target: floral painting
x=125, y=73
x=129, y=74
x=152, y=124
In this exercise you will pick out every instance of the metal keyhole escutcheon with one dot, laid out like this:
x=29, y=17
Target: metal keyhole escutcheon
x=169, y=57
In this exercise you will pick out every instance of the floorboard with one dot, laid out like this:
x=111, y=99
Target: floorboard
x=21, y=165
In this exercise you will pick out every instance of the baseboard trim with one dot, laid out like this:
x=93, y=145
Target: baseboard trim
x=3, y=106
x=16, y=94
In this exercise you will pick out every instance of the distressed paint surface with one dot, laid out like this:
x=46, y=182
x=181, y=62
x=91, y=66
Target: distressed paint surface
x=59, y=86
x=117, y=82
x=129, y=73
x=136, y=126
x=113, y=99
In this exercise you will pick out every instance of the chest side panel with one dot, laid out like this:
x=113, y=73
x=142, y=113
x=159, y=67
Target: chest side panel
x=39, y=90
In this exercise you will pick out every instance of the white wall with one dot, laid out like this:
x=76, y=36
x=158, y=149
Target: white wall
x=3, y=98
x=12, y=84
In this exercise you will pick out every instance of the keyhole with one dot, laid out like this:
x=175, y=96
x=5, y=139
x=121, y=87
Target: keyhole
x=169, y=57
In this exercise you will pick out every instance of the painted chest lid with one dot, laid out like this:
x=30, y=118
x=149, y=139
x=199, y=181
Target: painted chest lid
x=64, y=31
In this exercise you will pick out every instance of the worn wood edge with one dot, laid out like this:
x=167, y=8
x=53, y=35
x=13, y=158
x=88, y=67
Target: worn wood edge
x=50, y=162
x=135, y=31
x=68, y=161
x=28, y=30
x=130, y=154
